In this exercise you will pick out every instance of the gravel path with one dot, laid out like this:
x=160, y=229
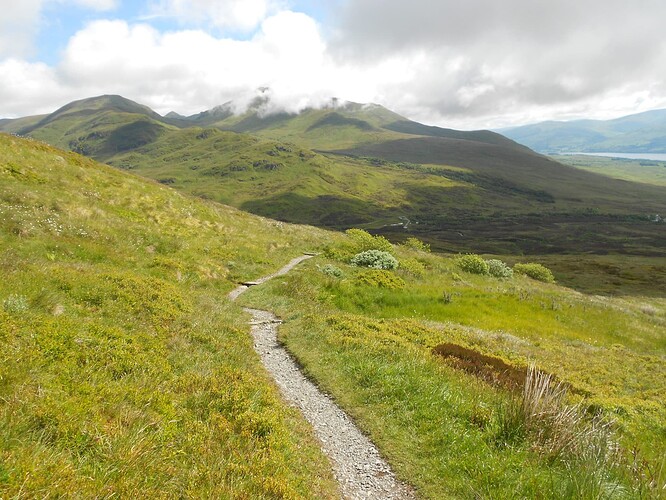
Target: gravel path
x=357, y=465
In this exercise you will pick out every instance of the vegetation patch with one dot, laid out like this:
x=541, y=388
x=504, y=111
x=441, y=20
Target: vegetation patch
x=488, y=368
x=380, y=278
x=473, y=264
x=416, y=244
x=376, y=259
x=535, y=271
x=499, y=269
x=331, y=270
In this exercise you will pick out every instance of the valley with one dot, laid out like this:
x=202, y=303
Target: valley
x=127, y=368
x=355, y=165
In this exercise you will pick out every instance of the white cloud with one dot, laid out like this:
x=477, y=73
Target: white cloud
x=99, y=5
x=189, y=71
x=513, y=58
x=19, y=22
x=29, y=88
x=243, y=15
x=440, y=63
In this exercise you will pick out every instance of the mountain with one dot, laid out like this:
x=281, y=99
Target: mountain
x=351, y=164
x=15, y=125
x=639, y=133
x=127, y=371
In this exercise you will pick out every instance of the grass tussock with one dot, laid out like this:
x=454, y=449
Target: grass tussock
x=585, y=444
x=555, y=428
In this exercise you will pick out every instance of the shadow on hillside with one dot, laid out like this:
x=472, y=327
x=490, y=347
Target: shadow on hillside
x=329, y=211
x=520, y=167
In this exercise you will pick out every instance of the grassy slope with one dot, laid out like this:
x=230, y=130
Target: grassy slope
x=12, y=126
x=287, y=181
x=124, y=369
x=487, y=195
x=643, y=171
x=371, y=348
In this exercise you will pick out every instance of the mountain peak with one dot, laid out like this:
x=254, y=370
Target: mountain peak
x=104, y=102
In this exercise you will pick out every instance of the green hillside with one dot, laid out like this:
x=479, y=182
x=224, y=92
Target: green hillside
x=460, y=191
x=445, y=421
x=643, y=171
x=287, y=181
x=124, y=369
x=639, y=133
x=12, y=126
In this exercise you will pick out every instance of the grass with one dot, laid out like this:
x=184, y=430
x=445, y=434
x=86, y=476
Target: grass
x=643, y=171
x=124, y=369
x=443, y=429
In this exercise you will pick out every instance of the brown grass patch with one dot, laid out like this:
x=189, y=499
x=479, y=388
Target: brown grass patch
x=488, y=368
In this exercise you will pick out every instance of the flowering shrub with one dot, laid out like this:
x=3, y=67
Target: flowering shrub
x=416, y=244
x=380, y=278
x=363, y=240
x=535, y=271
x=472, y=263
x=375, y=259
x=499, y=269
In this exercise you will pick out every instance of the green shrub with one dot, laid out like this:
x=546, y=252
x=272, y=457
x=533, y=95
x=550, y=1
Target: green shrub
x=331, y=270
x=499, y=269
x=380, y=278
x=416, y=244
x=535, y=271
x=363, y=240
x=375, y=259
x=472, y=263
x=413, y=267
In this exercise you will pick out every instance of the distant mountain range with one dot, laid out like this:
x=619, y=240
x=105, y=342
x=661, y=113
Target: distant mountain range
x=639, y=133
x=362, y=165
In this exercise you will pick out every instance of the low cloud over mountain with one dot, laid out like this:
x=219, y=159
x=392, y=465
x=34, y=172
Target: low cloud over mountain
x=467, y=65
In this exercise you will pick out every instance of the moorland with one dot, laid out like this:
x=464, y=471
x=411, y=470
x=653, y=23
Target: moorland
x=125, y=367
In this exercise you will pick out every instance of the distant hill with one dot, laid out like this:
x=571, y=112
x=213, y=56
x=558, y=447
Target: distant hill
x=351, y=164
x=639, y=133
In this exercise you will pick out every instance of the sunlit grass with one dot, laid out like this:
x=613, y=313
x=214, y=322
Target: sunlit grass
x=124, y=370
x=371, y=347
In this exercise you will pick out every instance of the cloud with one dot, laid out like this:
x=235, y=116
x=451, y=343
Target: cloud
x=192, y=70
x=483, y=58
x=241, y=15
x=473, y=64
x=98, y=5
x=18, y=26
x=21, y=21
x=29, y=88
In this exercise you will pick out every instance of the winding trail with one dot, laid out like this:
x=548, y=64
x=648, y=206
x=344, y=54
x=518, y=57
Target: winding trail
x=359, y=469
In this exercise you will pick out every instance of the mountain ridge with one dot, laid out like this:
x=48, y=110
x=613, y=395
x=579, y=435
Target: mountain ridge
x=363, y=165
x=637, y=133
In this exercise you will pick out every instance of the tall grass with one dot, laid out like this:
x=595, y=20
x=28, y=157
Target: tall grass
x=586, y=445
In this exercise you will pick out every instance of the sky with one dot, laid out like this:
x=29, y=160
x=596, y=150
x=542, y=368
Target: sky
x=460, y=64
